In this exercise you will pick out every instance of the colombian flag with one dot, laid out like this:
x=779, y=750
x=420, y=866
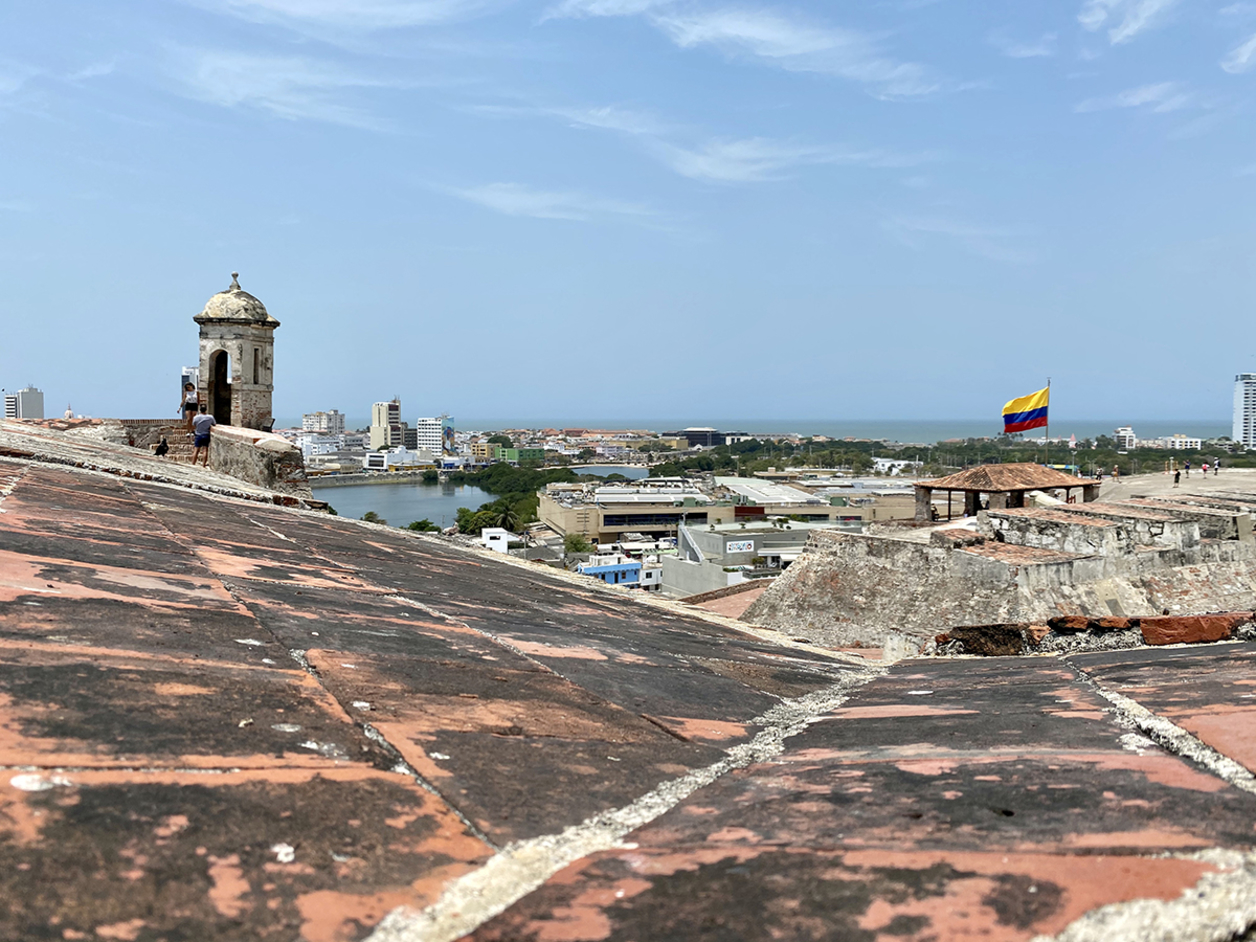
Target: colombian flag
x=1026, y=412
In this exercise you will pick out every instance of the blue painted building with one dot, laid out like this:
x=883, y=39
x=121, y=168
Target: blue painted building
x=613, y=569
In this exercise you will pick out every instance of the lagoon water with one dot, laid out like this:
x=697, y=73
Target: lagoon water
x=401, y=504
x=603, y=470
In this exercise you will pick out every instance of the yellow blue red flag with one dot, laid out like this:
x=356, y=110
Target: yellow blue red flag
x=1026, y=412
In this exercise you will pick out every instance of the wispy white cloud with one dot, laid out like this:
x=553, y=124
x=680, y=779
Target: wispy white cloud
x=354, y=15
x=14, y=75
x=515, y=199
x=1125, y=18
x=287, y=87
x=1241, y=58
x=1160, y=97
x=769, y=36
x=1018, y=49
x=95, y=70
x=756, y=159
x=586, y=8
x=611, y=118
x=716, y=160
x=998, y=244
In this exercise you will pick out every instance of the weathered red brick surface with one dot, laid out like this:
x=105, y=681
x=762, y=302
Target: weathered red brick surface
x=949, y=800
x=1191, y=629
x=222, y=720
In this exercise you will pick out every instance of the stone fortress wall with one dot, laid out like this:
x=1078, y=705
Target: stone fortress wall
x=1134, y=558
x=252, y=456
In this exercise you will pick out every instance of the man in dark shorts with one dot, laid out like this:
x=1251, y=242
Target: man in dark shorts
x=201, y=424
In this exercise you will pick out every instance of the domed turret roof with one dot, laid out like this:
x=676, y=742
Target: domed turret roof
x=235, y=304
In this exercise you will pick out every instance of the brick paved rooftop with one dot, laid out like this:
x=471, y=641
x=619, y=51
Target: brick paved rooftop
x=221, y=719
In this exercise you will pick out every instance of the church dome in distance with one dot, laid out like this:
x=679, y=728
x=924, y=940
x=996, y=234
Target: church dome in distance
x=235, y=305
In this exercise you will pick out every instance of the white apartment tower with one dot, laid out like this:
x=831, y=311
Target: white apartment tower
x=435, y=434
x=325, y=423
x=1245, y=410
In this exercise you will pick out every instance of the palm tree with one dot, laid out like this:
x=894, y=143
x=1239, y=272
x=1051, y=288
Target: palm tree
x=507, y=518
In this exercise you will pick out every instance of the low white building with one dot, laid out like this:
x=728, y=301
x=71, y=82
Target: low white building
x=894, y=466
x=1176, y=442
x=1181, y=442
x=313, y=444
x=395, y=460
x=496, y=539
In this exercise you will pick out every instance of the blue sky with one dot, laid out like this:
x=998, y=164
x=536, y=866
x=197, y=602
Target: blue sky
x=626, y=208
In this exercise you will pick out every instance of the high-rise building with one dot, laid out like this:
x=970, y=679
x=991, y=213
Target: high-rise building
x=387, y=429
x=26, y=403
x=325, y=423
x=1245, y=410
x=436, y=434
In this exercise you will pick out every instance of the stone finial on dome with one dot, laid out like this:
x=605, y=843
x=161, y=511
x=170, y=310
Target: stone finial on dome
x=234, y=304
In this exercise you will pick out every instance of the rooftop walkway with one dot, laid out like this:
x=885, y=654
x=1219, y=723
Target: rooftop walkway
x=221, y=719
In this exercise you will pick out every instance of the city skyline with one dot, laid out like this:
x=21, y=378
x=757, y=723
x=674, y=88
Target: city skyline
x=908, y=210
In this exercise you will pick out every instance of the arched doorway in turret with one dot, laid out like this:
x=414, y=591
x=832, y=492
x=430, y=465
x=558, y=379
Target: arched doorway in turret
x=220, y=387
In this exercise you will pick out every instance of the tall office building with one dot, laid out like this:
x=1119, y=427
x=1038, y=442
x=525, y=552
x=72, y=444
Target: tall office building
x=26, y=403
x=1245, y=410
x=387, y=429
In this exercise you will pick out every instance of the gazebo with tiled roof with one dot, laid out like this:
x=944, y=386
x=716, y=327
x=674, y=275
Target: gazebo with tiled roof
x=1006, y=485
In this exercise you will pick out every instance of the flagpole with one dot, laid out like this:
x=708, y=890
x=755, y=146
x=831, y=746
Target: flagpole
x=1048, y=425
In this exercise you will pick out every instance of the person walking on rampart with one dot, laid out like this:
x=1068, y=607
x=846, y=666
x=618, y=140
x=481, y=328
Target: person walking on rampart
x=188, y=406
x=1177, y=478
x=1216, y=466
x=201, y=424
x=1116, y=474
x=1187, y=466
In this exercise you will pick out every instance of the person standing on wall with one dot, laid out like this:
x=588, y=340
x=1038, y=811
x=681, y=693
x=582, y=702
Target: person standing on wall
x=201, y=424
x=189, y=403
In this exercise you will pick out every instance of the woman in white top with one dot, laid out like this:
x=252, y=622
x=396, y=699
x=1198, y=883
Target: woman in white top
x=189, y=404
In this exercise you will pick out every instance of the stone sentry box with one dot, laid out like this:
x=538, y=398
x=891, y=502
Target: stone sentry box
x=237, y=358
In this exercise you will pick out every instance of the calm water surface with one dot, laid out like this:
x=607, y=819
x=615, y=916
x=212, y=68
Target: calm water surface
x=602, y=470
x=401, y=504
